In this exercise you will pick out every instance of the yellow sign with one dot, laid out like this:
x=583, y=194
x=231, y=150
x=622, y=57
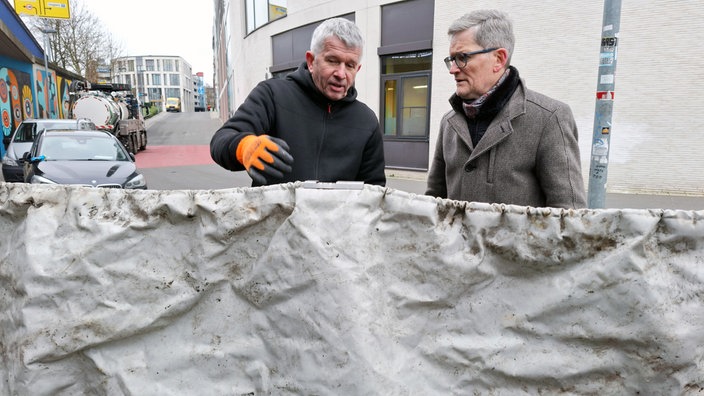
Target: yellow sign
x=44, y=8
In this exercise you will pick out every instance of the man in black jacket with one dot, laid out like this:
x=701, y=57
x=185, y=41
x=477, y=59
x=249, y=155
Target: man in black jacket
x=308, y=126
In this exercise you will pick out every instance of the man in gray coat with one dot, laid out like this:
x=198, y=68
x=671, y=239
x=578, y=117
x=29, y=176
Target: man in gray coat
x=501, y=142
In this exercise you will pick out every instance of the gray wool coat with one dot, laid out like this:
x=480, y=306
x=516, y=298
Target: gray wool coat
x=528, y=156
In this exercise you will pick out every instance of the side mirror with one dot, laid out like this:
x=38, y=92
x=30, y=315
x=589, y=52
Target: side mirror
x=26, y=157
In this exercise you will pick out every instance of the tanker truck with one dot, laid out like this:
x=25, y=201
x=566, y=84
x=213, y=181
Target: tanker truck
x=111, y=107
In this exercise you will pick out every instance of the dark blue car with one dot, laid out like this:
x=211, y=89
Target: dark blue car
x=86, y=158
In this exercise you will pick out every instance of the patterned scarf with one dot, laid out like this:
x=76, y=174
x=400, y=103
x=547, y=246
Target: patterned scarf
x=472, y=108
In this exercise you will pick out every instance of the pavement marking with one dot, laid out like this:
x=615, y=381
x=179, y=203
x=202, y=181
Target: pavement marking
x=170, y=156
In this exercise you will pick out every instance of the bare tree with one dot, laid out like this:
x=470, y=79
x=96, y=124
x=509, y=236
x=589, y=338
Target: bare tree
x=80, y=43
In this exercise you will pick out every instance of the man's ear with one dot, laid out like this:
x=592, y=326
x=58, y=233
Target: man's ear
x=309, y=59
x=501, y=57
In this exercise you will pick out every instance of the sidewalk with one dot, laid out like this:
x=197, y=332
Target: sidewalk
x=412, y=182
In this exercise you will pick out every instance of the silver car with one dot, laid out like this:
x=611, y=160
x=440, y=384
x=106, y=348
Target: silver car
x=23, y=137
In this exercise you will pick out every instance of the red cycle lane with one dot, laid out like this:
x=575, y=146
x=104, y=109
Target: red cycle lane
x=170, y=156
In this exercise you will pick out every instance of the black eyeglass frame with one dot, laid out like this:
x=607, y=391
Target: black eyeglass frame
x=467, y=56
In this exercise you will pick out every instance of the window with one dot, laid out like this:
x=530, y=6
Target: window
x=149, y=63
x=168, y=65
x=406, y=62
x=172, y=92
x=154, y=94
x=174, y=80
x=406, y=97
x=261, y=12
x=156, y=79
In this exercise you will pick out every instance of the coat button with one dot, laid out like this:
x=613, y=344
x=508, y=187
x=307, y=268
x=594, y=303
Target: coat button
x=469, y=167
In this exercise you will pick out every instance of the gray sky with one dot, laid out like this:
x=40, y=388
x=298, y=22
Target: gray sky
x=161, y=27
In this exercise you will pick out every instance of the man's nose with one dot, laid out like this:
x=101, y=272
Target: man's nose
x=340, y=71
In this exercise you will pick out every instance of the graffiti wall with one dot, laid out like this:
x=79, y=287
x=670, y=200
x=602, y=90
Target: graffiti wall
x=47, y=96
x=24, y=94
x=16, y=98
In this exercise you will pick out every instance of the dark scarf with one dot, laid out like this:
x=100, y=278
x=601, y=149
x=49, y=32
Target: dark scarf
x=481, y=111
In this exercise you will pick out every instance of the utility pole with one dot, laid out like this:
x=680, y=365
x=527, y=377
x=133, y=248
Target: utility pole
x=47, y=49
x=138, y=70
x=605, y=92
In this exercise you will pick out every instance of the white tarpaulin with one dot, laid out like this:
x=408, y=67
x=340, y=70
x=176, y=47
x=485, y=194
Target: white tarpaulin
x=289, y=290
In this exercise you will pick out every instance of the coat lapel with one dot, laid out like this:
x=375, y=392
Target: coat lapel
x=459, y=126
x=500, y=128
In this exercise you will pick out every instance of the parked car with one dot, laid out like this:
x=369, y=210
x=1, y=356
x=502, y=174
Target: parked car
x=23, y=137
x=81, y=157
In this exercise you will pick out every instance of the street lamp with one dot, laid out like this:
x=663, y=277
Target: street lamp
x=46, y=32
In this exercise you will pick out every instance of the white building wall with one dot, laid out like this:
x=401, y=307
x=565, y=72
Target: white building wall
x=185, y=86
x=656, y=146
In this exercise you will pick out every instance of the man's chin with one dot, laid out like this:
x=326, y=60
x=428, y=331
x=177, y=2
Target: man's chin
x=336, y=95
x=464, y=94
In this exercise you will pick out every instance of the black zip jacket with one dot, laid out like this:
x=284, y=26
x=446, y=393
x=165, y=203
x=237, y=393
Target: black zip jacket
x=329, y=141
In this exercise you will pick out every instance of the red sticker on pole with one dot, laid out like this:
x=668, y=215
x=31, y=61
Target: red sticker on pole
x=605, y=95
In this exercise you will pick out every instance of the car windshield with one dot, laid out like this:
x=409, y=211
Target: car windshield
x=81, y=148
x=27, y=131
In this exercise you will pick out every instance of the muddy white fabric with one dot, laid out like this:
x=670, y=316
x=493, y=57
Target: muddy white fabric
x=290, y=290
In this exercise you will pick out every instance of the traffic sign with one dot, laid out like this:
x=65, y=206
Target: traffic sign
x=44, y=8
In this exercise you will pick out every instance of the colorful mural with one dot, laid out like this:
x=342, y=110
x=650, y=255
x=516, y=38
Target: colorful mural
x=16, y=99
x=43, y=88
x=5, y=104
x=63, y=85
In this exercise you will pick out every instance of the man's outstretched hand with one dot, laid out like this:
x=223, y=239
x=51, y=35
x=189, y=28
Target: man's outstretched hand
x=264, y=156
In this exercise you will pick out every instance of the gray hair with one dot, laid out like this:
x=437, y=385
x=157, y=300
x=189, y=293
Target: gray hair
x=342, y=28
x=492, y=28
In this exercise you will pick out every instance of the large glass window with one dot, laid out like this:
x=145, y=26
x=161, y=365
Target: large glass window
x=406, y=94
x=156, y=79
x=174, y=80
x=261, y=12
x=154, y=94
x=168, y=65
x=173, y=92
x=149, y=64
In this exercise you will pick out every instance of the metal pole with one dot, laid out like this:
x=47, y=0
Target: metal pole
x=138, y=69
x=605, y=92
x=136, y=85
x=46, y=32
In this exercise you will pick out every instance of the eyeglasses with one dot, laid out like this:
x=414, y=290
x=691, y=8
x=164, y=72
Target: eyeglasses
x=462, y=58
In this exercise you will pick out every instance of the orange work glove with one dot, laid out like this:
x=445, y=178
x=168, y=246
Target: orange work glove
x=264, y=156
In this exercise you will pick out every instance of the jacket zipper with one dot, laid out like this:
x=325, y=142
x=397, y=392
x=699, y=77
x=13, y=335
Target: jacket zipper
x=322, y=140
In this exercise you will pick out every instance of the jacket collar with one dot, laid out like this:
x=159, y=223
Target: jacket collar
x=500, y=127
x=496, y=100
